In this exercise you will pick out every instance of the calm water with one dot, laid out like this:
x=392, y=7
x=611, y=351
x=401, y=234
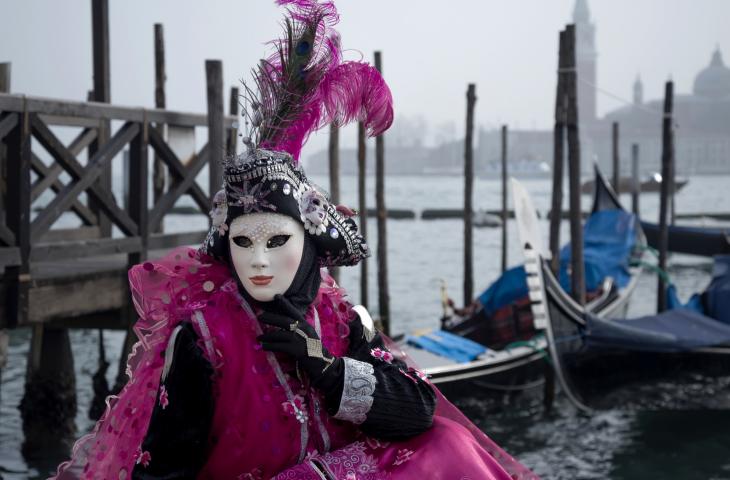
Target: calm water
x=667, y=430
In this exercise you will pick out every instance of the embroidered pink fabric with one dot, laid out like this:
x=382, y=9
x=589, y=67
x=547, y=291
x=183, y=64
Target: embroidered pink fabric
x=267, y=424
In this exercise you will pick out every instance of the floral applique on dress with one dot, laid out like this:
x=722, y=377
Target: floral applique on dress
x=383, y=355
x=143, y=458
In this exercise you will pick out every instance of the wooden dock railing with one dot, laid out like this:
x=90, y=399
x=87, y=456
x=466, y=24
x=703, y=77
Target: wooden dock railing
x=26, y=241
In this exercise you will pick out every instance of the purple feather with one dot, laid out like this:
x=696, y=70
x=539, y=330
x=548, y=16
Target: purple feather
x=297, y=99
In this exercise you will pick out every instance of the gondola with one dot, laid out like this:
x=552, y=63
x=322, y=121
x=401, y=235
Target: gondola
x=516, y=361
x=703, y=241
x=593, y=354
x=651, y=184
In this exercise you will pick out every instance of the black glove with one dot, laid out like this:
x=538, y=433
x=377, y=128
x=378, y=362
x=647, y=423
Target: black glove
x=295, y=337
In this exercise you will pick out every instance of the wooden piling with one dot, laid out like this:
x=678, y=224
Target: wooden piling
x=362, y=206
x=665, y=190
x=4, y=88
x=556, y=203
x=615, y=158
x=334, y=169
x=233, y=105
x=216, y=134
x=577, y=276
x=382, y=254
x=504, y=198
x=159, y=172
x=471, y=99
x=635, y=180
x=101, y=93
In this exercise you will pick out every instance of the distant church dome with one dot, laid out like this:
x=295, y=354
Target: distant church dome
x=713, y=81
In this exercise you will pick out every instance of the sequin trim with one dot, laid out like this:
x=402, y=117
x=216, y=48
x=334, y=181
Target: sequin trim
x=357, y=392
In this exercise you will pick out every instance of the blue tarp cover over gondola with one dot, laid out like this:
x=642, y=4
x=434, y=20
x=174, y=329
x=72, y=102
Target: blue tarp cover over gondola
x=609, y=237
x=671, y=331
x=717, y=295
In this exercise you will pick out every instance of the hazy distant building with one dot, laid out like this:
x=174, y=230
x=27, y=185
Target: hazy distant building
x=702, y=140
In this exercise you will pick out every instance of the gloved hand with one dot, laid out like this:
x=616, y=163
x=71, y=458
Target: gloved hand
x=295, y=337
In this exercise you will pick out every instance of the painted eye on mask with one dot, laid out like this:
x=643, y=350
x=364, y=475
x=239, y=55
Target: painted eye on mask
x=243, y=242
x=277, y=241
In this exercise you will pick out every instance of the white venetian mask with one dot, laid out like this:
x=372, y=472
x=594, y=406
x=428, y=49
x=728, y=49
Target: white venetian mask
x=266, y=249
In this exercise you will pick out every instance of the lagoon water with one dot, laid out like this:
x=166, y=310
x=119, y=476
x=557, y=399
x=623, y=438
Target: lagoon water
x=665, y=430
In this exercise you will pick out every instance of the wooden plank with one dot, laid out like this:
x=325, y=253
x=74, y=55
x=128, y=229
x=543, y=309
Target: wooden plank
x=172, y=240
x=97, y=165
x=7, y=124
x=102, y=111
x=70, y=234
x=61, y=121
x=170, y=197
x=85, y=248
x=77, y=297
x=177, y=169
x=76, y=146
x=159, y=173
x=9, y=256
x=504, y=212
x=216, y=132
x=233, y=131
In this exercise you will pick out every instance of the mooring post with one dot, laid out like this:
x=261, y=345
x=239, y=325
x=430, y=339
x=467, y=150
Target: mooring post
x=216, y=134
x=616, y=159
x=556, y=204
x=334, y=169
x=383, y=294
x=159, y=171
x=362, y=206
x=4, y=88
x=48, y=406
x=101, y=93
x=471, y=99
x=635, y=180
x=504, y=198
x=665, y=190
x=231, y=146
x=577, y=275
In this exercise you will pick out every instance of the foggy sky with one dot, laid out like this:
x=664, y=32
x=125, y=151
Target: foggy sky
x=431, y=50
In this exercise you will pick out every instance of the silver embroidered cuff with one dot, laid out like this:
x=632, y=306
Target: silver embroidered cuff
x=357, y=392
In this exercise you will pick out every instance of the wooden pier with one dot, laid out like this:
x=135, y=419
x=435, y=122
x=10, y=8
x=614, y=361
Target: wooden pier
x=78, y=277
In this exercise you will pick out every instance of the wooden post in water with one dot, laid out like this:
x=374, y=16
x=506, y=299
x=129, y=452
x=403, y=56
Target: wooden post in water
x=362, y=207
x=471, y=99
x=556, y=204
x=665, y=191
x=504, y=198
x=577, y=275
x=232, y=143
x=101, y=93
x=383, y=294
x=616, y=159
x=635, y=180
x=216, y=134
x=159, y=172
x=4, y=88
x=334, y=168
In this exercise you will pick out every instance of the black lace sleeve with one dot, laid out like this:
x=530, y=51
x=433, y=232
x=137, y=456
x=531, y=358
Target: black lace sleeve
x=379, y=393
x=175, y=446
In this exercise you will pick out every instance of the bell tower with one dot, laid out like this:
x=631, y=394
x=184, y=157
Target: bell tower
x=585, y=56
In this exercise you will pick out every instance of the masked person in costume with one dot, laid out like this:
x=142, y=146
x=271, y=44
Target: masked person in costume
x=251, y=363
